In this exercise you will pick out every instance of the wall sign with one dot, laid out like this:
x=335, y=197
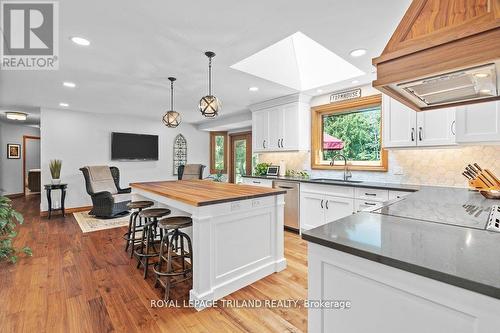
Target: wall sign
x=345, y=95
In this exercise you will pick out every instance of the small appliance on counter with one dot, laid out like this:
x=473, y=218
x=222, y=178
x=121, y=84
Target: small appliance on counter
x=483, y=180
x=273, y=171
x=494, y=219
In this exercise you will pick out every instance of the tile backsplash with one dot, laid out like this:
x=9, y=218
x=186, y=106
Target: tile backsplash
x=441, y=167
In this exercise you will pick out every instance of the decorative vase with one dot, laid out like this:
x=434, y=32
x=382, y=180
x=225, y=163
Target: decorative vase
x=56, y=181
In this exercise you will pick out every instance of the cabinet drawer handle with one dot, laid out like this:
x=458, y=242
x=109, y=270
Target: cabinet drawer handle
x=286, y=187
x=326, y=204
x=255, y=182
x=453, y=127
x=371, y=194
x=370, y=204
x=412, y=134
x=322, y=203
x=279, y=143
x=420, y=133
x=264, y=144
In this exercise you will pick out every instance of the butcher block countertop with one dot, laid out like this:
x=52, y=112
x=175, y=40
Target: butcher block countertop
x=205, y=192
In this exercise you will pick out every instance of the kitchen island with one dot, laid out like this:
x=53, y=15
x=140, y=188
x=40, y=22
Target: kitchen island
x=424, y=263
x=237, y=232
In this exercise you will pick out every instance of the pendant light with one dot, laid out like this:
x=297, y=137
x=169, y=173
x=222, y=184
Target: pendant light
x=209, y=105
x=172, y=118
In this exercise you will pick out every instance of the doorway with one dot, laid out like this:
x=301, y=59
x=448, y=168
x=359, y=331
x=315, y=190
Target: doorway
x=31, y=165
x=240, y=155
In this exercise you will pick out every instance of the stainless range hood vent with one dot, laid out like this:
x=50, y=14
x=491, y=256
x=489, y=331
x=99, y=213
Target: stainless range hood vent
x=464, y=85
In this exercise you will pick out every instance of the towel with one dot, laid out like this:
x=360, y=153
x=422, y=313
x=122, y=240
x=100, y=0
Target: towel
x=101, y=179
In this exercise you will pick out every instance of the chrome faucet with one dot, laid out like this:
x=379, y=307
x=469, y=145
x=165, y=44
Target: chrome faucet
x=347, y=172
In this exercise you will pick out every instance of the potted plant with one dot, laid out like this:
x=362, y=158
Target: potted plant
x=261, y=169
x=55, y=171
x=9, y=219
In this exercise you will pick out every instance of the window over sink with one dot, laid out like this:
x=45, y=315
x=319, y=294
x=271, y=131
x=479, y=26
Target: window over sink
x=353, y=129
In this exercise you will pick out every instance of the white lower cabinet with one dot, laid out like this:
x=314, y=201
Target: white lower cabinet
x=257, y=182
x=389, y=300
x=360, y=205
x=322, y=204
x=337, y=208
x=312, y=211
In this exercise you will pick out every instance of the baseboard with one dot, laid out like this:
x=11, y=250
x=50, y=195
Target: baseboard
x=45, y=213
x=15, y=195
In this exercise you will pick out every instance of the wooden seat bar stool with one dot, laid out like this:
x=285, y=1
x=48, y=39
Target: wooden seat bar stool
x=133, y=226
x=172, y=248
x=147, y=247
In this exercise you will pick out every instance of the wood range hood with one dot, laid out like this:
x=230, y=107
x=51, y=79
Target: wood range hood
x=443, y=53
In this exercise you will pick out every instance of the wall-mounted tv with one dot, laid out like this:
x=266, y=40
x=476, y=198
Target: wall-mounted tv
x=139, y=147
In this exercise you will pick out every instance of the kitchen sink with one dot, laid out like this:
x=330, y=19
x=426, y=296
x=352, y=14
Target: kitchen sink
x=329, y=180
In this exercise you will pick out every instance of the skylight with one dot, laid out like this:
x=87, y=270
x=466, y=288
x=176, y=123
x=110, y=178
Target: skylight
x=298, y=62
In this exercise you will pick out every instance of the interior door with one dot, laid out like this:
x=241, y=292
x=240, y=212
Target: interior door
x=436, y=127
x=241, y=156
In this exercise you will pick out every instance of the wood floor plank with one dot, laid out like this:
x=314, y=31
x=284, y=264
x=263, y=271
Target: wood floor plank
x=79, y=282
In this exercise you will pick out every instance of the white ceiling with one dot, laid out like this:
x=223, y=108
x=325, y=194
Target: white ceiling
x=136, y=46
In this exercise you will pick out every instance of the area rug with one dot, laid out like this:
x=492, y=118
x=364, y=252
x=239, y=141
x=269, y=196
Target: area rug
x=89, y=223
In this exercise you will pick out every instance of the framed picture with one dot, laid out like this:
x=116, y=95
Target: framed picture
x=13, y=151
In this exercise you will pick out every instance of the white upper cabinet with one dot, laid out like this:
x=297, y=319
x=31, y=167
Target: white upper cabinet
x=260, y=130
x=403, y=127
x=399, y=124
x=478, y=122
x=436, y=127
x=281, y=125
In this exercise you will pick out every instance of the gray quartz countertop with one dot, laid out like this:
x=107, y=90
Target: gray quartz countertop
x=377, y=185
x=436, y=232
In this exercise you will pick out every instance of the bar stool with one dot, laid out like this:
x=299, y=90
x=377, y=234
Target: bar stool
x=172, y=248
x=147, y=246
x=133, y=226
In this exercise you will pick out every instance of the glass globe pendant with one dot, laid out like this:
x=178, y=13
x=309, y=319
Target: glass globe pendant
x=209, y=105
x=172, y=118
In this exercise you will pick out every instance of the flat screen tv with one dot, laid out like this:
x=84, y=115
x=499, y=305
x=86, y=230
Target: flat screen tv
x=128, y=146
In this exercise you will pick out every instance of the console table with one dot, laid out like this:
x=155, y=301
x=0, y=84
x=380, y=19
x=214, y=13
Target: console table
x=48, y=189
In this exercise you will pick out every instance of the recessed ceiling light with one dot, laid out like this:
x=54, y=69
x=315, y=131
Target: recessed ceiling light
x=64, y=105
x=253, y=88
x=358, y=52
x=319, y=91
x=481, y=75
x=354, y=81
x=69, y=84
x=21, y=116
x=80, y=41
x=485, y=91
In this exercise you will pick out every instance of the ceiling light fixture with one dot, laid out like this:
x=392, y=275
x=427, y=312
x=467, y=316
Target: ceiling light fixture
x=20, y=116
x=485, y=91
x=69, y=84
x=357, y=53
x=354, y=81
x=209, y=105
x=253, y=89
x=172, y=118
x=64, y=105
x=319, y=91
x=80, y=41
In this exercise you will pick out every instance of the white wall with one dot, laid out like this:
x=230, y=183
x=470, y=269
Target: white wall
x=11, y=180
x=81, y=138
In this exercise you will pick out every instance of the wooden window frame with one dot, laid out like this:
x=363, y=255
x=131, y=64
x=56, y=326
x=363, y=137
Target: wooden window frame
x=317, y=114
x=212, y=151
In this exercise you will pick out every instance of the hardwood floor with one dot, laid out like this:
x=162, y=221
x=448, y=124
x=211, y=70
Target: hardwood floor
x=86, y=283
